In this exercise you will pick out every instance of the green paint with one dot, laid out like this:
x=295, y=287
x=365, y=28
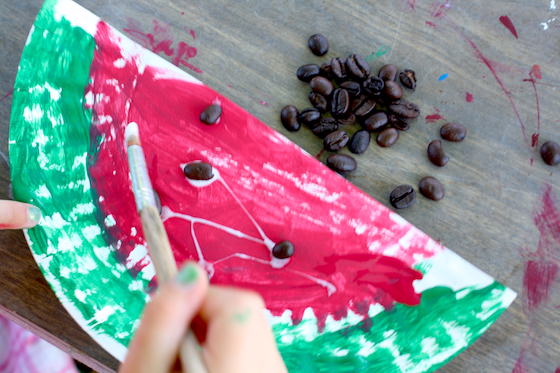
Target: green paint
x=381, y=51
x=242, y=317
x=188, y=274
x=48, y=111
x=404, y=339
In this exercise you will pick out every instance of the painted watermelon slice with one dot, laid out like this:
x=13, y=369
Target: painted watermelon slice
x=365, y=289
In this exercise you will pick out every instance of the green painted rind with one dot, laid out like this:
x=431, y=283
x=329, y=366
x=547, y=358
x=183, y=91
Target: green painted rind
x=405, y=339
x=49, y=144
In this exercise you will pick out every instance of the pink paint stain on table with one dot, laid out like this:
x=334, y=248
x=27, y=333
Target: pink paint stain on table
x=534, y=75
x=431, y=24
x=160, y=41
x=469, y=97
x=540, y=269
x=439, y=8
x=411, y=4
x=506, y=21
x=434, y=117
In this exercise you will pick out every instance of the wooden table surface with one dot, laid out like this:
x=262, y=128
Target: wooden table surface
x=496, y=182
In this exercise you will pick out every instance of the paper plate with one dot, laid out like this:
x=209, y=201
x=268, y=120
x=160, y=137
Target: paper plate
x=365, y=290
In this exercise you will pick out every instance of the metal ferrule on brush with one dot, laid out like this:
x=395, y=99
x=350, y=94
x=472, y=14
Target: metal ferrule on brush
x=141, y=184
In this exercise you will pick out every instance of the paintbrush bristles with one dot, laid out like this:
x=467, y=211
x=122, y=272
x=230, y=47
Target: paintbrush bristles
x=132, y=135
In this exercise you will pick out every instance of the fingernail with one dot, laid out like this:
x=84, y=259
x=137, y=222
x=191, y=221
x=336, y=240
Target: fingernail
x=188, y=274
x=33, y=216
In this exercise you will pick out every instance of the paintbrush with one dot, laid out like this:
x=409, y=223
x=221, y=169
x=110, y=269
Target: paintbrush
x=156, y=237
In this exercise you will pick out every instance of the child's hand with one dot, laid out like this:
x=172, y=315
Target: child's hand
x=238, y=338
x=17, y=215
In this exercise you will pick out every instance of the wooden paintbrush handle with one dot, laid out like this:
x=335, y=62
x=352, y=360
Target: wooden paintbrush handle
x=190, y=352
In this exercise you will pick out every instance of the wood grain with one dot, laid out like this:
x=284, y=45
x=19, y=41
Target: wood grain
x=249, y=50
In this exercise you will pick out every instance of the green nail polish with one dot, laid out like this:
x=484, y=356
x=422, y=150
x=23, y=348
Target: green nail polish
x=188, y=274
x=34, y=215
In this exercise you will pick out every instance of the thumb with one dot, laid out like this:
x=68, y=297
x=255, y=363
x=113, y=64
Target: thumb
x=165, y=321
x=16, y=215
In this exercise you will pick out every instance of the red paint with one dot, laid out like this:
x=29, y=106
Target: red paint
x=506, y=21
x=159, y=41
x=541, y=268
x=331, y=244
x=321, y=152
x=7, y=95
x=411, y=4
x=482, y=58
x=431, y=24
x=431, y=118
x=536, y=72
x=557, y=370
x=439, y=9
x=264, y=103
x=469, y=97
x=534, y=139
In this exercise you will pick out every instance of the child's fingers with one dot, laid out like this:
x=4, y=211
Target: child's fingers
x=16, y=215
x=165, y=321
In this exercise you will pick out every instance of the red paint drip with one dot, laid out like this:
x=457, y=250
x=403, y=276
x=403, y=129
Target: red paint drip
x=482, y=58
x=506, y=21
x=167, y=112
x=7, y=95
x=159, y=41
x=433, y=118
x=439, y=9
x=536, y=72
x=534, y=139
x=431, y=24
x=469, y=97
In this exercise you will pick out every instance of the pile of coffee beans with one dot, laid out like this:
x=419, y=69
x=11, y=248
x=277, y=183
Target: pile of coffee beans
x=345, y=93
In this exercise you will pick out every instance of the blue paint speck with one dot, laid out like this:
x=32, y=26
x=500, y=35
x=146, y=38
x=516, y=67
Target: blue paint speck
x=443, y=77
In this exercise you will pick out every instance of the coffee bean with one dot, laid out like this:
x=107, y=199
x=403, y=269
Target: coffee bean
x=550, y=153
x=325, y=126
x=340, y=102
x=318, y=44
x=402, y=197
x=397, y=122
x=289, y=118
x=392, y=90
x=353, y=88
x=365, y=108
x=335, y=141
x=373, y=86
x=431, y=188
x=211, y=114
x=404, y=109
x=408, y=79
x=436, y=154
x=321, y=85
x=388, y=72
x=283, y=250
x=198, y=171
x=453, y=132
x=338, y=69
x=307, y=72
x=325, y=70
x=347, y=120
x=388, y=137
x=357, y=66
x=341, y=163
x=309, y=116
x=375, y=122
x=319, y=101
x=359, y=142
